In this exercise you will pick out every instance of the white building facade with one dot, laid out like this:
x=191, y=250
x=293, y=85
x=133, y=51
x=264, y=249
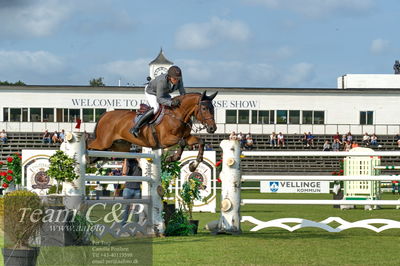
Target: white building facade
x=361, y=103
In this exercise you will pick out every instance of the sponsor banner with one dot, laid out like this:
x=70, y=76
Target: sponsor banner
x=294, y=186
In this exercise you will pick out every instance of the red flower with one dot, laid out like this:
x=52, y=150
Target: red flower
x=10, y=171
x=341, y=171
x=9, y=159
x=9, y=178
x=1, y=163
x=218, y=163
x=5, y=185
x=3, y=173
x=219, y=180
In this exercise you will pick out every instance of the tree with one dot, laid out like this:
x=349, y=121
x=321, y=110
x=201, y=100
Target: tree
x=18, y=83
x=97, y=82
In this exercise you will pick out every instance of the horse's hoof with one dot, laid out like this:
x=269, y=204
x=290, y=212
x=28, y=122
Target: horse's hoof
x=193, y=166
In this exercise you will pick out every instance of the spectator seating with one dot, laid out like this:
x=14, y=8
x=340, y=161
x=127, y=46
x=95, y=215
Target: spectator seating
x=274, y=165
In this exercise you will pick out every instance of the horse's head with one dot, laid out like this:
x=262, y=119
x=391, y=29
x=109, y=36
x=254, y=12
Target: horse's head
x=205, y=112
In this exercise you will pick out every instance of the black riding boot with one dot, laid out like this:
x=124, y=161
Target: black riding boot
x=142, y=120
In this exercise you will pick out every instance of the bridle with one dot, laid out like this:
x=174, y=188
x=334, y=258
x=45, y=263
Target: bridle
x=200, y=113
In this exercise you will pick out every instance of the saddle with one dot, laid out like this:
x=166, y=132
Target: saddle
x=156, y=119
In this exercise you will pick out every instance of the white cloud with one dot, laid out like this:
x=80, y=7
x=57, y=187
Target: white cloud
x=319, y=8
x=132, y=72
x=298, y=73
x=202, y=35
x=239, y=74
x=378, y=46
x=39, y=62
x=32, y=18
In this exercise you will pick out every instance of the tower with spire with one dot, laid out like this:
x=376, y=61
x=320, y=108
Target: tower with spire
x=159, y=65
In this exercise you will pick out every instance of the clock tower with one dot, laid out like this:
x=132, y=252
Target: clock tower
x=160, y=65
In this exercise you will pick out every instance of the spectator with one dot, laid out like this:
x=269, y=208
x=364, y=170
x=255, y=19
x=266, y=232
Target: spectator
x=233, y=136
x=249, y=142
x=3, y=137
x=366, y=139
x=336, y=145
x=46, y=137
x=347, y=146
x=310, y=139
x=304, y=139
x=349, y=137
x=281, y=139
x=344, y=139
x=132, y=189
x=327, y=146
x=208, y=147
x=272, y=139
x=374, y=140
x=61, y=136
x=354, y=144
x=242, y=139
x=337, y=136
x=55, y=138
x=397, y=140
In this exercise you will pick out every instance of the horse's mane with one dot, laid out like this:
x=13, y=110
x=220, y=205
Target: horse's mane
x=181, y=97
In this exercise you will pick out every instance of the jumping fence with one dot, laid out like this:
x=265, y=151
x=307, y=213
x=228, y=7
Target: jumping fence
x=75, y=147
x=231, y=201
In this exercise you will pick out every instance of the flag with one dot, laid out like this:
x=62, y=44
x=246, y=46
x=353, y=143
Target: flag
x=78, y=123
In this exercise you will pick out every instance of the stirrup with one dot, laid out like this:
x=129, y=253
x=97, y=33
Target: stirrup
x=135, y=131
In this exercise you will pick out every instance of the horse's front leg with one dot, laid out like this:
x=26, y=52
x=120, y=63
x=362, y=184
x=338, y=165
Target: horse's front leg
x=177, y=155
x=191, y=140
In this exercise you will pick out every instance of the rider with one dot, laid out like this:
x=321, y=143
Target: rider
x=158, y=92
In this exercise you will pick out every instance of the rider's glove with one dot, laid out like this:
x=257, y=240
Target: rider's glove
x=175, y=102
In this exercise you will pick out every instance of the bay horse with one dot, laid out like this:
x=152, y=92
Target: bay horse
x=112, y=131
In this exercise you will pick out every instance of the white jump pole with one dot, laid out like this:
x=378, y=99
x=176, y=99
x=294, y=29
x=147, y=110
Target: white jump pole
x=155, y=185
x=320, y=153
x=230, y=188
x=75, y=147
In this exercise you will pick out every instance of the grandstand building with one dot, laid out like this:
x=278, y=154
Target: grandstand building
x=359, y=104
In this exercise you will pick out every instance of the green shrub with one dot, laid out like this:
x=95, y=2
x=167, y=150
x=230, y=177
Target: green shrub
x=179, y=225
x=23, y=212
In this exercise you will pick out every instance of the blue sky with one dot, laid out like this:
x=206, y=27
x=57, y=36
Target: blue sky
x=234, y=43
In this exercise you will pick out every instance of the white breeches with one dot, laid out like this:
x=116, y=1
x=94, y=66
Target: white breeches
x=152, y=99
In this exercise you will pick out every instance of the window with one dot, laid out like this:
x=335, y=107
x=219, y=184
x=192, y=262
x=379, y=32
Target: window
x=48, y=115
x=294, y=117
x=254, y=119
x=59, y=116
x=230, y=116
x=88, y=115
x=307, y=117
x=319, y=117
x=281, y=117
x=272, y=116
x=36, y=115
x=5, y=114
x=262, y=117
x=15, y=114
x=366, y=117
x=99, y=113
x=244, y=117
x=73, y=115
x=24, y=114
x=65, y=115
